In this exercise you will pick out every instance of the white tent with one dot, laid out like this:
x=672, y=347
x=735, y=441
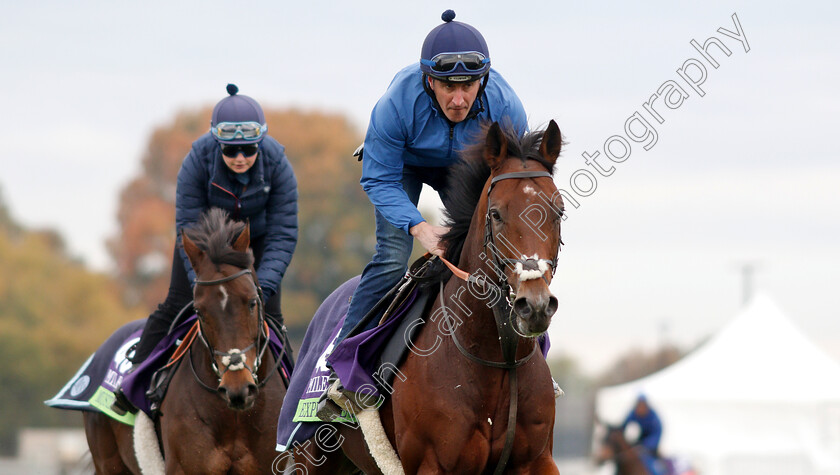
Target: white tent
x=757, y=398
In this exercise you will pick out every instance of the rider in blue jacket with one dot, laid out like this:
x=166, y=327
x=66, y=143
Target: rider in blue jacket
x=239, y=168
x=650, y=431
x=429, y=112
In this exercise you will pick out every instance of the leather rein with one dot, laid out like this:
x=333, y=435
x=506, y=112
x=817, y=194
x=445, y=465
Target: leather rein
x=502, y=310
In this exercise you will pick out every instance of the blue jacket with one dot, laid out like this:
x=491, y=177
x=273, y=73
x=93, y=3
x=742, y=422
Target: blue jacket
x=651, y=429
x=407, y=129
x=269, y=202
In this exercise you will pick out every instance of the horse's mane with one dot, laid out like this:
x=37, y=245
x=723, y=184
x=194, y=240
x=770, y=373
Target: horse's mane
x=214, y=234
x=467, y=178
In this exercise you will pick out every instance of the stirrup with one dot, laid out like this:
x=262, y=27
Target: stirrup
x=328, y=410
x=121, y=404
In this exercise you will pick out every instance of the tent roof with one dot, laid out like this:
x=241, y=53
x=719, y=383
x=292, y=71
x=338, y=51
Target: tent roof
x=759, y=356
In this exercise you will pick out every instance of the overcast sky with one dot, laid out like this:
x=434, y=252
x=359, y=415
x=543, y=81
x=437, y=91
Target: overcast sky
x=747, y=172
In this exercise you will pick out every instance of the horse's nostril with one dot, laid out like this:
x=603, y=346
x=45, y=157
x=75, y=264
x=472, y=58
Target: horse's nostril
x=222, y=390
x=522, y=308
x=252, y=390
x=551, y=308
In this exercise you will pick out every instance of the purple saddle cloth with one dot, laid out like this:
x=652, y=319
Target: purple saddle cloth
x=92, y=387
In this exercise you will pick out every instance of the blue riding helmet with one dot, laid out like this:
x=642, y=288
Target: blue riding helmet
x=238, y=119
x=454, y=52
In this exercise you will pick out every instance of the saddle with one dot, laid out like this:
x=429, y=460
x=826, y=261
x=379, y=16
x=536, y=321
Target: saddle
x=369, y=359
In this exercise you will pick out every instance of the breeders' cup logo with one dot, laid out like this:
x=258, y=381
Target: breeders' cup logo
x=121, y=361
x=80, y=385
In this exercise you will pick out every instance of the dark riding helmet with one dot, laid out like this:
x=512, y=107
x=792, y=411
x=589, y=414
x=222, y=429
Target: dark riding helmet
x=454, y=51
x=238, y=119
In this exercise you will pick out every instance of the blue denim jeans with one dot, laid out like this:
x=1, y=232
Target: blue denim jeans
x=393, y=249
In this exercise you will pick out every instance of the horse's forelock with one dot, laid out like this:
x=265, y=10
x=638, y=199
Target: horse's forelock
x=214, y=234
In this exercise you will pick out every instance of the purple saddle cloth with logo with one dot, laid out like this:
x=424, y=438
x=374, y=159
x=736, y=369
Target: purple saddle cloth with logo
x=101, y=373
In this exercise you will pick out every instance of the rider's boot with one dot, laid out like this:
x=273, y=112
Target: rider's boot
x=558, y=393
x=156, y=328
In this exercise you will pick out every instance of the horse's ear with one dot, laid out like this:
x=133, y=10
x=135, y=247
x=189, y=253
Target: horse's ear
x=194, y=254
x=244, y=240
x=495, y=146
x=551, y=142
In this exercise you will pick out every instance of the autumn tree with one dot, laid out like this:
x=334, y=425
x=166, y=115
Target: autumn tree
x=335, y=217
x=53, y=314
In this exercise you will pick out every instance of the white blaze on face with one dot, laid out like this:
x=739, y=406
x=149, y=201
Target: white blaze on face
x=529, y=190
x=224, y=300
x=525, y=275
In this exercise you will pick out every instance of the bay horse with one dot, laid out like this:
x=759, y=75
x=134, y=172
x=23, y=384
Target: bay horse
x=615, y=447
x=470, y=398
x=221, y=409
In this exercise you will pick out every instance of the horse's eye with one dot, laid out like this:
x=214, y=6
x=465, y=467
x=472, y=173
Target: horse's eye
x=252, y=304
x=495, y=215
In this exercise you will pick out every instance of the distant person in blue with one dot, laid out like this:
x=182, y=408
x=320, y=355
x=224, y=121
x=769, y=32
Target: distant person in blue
x=650, y=432
x=235, y=166
x=429, y=112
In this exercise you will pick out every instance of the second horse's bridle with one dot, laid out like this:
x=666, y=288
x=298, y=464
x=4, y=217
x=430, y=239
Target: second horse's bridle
x=234, y=360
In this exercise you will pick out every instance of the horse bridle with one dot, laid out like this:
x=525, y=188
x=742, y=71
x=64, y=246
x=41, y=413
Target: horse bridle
x=234, y=360
x=502, y=310
x=491, y=246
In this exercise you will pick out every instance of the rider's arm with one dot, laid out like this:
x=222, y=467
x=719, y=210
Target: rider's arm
x=382, y=166
x=281, y=222
x=190, y=196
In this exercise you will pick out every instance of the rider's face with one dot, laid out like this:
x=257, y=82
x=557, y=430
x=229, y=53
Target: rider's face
x=455, y=98
x=240, y=163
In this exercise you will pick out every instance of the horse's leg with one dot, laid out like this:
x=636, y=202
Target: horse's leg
x=111, y=444
x=545, y=461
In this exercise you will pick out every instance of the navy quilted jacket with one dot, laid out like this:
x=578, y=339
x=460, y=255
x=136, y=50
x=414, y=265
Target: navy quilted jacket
x=268, y=202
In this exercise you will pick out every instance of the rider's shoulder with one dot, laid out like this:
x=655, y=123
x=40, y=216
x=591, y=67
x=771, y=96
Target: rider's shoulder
x=498, y=87
x=204, y=145
x=273, y=149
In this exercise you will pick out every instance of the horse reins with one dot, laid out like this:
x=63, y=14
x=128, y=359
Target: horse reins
x=508, y=335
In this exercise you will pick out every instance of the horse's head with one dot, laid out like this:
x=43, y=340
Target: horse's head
x=522, y=211
x=228, y=301
x=613, y=444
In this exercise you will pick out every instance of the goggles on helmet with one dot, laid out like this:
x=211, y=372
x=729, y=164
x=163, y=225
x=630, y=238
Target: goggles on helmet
x=447, y=62
x=244, y=130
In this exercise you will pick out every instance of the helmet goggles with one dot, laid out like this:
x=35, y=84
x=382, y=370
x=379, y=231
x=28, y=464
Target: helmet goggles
x=472, y=61
x=243, y=130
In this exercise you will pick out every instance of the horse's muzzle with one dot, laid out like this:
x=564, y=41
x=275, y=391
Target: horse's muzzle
x=239, y=397
x=534, y=313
